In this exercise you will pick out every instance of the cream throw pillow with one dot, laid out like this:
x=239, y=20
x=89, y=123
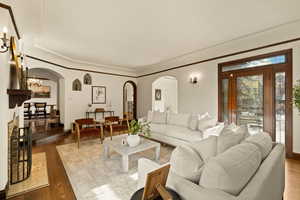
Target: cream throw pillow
x=187, y=163
x=230, y=139
x=207, y=148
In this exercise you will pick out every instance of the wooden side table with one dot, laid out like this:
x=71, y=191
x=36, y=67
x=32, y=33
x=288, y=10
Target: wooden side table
x=139, y=194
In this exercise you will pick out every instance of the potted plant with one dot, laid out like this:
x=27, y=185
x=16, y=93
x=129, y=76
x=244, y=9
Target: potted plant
x=296, y=94
x=137, y=128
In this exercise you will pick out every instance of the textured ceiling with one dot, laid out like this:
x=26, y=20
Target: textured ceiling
x=139, y=33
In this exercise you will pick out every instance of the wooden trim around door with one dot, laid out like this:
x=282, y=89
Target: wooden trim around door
x=288, y=68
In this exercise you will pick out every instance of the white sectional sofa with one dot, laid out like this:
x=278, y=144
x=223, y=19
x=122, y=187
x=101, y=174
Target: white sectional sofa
x=179, y=129
x=233, y=166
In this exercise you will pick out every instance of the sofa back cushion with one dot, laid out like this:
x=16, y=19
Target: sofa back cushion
x=159, y=117
x=193, y=123
x=231, y=170
x=187, y=163
x=179, y=119
x=263, y=141
x=149, y=116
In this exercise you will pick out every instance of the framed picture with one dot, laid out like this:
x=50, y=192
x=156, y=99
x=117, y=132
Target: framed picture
x=40, y=91
x=98, y=95
x=157, y=94
x=156, y=183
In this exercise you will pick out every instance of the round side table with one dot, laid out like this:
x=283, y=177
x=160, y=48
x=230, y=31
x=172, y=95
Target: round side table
x=139, y=194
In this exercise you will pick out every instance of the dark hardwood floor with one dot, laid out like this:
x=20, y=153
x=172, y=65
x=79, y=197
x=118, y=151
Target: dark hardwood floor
x=60, y=187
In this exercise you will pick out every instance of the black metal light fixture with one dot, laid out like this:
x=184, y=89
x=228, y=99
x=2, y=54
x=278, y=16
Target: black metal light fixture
x=4, y=46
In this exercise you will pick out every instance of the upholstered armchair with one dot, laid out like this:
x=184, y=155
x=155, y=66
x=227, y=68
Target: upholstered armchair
x=116, y=125
x=86, y=127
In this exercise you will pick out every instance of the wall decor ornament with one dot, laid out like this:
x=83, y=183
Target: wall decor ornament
x=87, y=79
x=157, y=94
x=98, y=95
x=76, y=85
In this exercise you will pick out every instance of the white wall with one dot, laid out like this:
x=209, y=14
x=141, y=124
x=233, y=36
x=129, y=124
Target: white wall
x=74, y=104
x=6, y=113
x=203, y=97
x=169, y=94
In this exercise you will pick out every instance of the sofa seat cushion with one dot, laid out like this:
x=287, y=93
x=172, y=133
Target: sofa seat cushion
x=178, y=119
x=207, y=148
x=263, y=141
x=231, y=170
x=182, y=133
x=186, y=163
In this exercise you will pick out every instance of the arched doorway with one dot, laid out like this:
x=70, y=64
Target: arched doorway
x=129, y=100
x=55, y=82
x=165, y=94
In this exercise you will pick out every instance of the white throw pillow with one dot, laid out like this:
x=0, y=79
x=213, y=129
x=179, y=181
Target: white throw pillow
x=179, y=119
x=229, y=138
x=193, y=123
x=207, y=148
x=206, y=122
x=214, y=131
x=263, y=141
x=159, y=117
x=187, y=163
x=231, y=170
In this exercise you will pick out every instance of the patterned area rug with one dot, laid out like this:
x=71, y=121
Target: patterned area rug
x=94, y=178
x=38, y=178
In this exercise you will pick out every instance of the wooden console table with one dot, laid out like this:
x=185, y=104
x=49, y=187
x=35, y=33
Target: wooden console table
x=87, y=114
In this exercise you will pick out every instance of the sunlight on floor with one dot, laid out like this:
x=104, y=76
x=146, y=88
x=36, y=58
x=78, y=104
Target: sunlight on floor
x=134, y=176
x=105, y=192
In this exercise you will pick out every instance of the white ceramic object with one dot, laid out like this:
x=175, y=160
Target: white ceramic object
x=133, y=140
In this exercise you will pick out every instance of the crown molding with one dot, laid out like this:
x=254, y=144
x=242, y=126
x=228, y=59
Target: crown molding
x=78, y=69
x=81, y=62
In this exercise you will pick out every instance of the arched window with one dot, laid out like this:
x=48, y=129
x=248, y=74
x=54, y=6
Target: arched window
x=87, y=79
x=76, y=85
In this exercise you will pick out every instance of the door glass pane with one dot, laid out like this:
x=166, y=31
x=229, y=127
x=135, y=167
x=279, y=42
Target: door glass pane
x=280, y=106
x=250, y=102
x=225, y=90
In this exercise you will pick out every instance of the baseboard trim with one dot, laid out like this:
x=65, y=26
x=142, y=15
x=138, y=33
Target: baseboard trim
x=295, y=156
x=4, y=192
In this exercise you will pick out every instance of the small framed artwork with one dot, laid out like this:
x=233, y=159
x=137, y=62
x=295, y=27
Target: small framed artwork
x=156, y=183
x=98, y=95
x=157, y=94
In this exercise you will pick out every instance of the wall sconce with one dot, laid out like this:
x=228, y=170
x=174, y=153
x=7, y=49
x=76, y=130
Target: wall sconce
x=4, y=46
x=194, y=79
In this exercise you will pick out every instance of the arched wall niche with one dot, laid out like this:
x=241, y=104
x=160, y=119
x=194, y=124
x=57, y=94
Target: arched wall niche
x=165, y=94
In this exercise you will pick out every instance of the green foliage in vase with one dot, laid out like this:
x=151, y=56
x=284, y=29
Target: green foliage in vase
x=296, y=92
x=137, y=127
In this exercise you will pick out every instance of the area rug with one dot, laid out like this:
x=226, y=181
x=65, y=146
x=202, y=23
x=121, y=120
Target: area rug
x=38, y=178
x=93, y=178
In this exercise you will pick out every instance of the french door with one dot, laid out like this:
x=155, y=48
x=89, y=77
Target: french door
x=257, y=92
